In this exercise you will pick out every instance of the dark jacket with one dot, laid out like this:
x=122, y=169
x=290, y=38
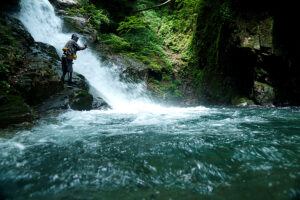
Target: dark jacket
x=67, y=57
x=73, y=47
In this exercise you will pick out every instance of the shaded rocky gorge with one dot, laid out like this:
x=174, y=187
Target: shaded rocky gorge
x=248, y=49
x=136, y=124
x=241, y=55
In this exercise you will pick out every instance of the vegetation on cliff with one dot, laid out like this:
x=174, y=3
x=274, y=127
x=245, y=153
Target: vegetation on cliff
x=209, y=51
x=159, y=38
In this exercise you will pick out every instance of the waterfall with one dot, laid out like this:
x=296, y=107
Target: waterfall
x=39, y=18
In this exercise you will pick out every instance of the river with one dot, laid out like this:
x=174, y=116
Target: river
x=142, y=150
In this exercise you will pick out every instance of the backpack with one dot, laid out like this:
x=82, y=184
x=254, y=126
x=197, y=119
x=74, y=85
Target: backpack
x=69, y=51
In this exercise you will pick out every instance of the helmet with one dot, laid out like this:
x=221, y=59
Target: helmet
x=75, y=37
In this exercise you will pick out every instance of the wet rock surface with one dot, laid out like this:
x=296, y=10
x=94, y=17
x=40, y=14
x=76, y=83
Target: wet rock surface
x=31, y=78
x=76, y=97
x=130, y=70
x=14, y=110
x=80, y=25
x=264, y=94
x=253, y=45
x=63, y=4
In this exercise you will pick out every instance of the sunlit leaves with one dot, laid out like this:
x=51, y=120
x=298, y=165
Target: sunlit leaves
x=131, y=24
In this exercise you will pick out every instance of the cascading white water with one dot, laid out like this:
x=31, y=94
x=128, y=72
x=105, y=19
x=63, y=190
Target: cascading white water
x=39, y=18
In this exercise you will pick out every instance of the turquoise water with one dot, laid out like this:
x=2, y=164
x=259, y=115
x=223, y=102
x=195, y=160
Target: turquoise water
x=178, y=153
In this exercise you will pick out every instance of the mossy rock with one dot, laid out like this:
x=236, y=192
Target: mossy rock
x=264, y=94
x=38, y=84
x=81, y=100
x=13, y=110
x=241, y=101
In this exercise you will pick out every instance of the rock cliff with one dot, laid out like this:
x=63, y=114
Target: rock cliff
x=30, y=78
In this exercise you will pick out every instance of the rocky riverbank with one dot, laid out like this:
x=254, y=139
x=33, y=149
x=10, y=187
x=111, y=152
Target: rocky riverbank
x=30, y=78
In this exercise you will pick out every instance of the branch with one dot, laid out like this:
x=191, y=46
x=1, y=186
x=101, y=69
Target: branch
x=162, y=4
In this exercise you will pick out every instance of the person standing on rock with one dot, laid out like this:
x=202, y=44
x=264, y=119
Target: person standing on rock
x=69, y=54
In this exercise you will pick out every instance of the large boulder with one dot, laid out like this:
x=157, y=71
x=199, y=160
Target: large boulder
x=81, y=100
x=264, y=94
x=80, y=25
x=36, y=85
x=14, y=110
x=17, y=31
x=76, y=97
x=129, y=69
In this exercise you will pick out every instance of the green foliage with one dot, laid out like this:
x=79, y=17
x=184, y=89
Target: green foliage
x=225, y=12
x=131, y=24
x=155, y=66
x=216, y=72
x=83, y=2
x=159, y=38
x=4, y=86
x=96, y=17
x=146, y=46
x=3, y=68
x=187, y=9
x=6, y=37
x=114, y=42
x=117, y=9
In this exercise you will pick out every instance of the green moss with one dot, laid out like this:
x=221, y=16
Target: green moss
x=210, y=67
x=81, y=100
x=96, y=17
x=262, y=84
x=6, y=36
x=241, y=100
x=155, y=66
x=114, y=42
x=131, y=24
x=13, y=110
